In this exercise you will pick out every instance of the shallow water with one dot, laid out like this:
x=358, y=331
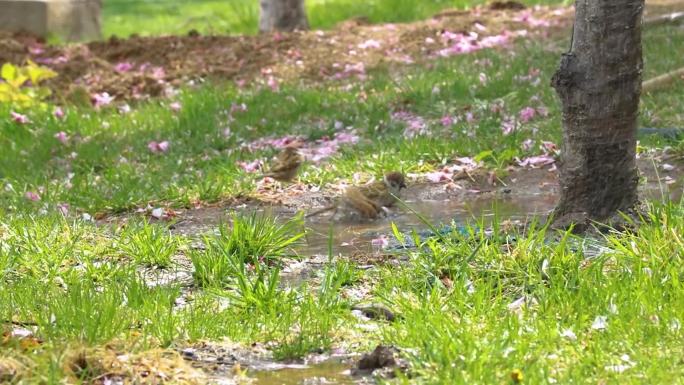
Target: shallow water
x=353, y=238
x=329, y=372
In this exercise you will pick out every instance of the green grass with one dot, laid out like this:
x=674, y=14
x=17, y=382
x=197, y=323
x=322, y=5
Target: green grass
x=85, y=285
x=157, y=17
x=111, y=170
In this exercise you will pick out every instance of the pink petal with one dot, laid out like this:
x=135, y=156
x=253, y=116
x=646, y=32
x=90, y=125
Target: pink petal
x=536, y=161
x=381, y=241
x=63, y=208
x=163, y=146
x=19, y=118
x=549, y=147
x=369, y=44
x=250, y=167
x=153, y=146
x=438, y=176
x=58, y=112
x=102, y=99
x=527, y=114
x=175, y=106
x=447, y=121
x=32, y=196
x=62, y=137
x=507, y=126
x=123, y=67
x=527, y=144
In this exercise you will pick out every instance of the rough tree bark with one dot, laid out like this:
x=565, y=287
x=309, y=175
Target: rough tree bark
x=282, y=15
x=599, y=84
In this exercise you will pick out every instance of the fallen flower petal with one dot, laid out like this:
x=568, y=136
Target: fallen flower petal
x=32, y=196
x=123, y=67
x=175, y=106
x=102, y=99
x=58, y=112
x=62, y=137
x=536, y=161
x=19, y=118
x=438, y=176
x=382, y=241
x=527, y=114
x=250, y=167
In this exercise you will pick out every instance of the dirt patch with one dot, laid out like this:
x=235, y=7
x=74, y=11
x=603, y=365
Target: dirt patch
x=140, y=67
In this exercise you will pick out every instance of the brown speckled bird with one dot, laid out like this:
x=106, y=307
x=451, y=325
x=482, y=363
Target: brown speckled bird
x=285, y=166
x=367, y=202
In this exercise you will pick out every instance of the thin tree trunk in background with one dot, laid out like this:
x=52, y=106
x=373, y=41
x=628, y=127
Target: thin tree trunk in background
x=599, y=84
x=282, y=15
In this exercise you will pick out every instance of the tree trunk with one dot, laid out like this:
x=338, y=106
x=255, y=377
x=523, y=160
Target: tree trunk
x=282, y=15
x=599, y=84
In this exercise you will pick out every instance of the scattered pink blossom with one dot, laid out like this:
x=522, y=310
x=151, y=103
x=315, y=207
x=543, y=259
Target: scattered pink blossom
x=158, y=73
x=250, y=167
x=429, y=40
x=381, y=241
x=32, y=196
x=549, y=147
x=19, y=118
x=123, y=66
x=124, y=109
x=175, y=106
x=58, y=112
x=36, y=49
x=527, y=114
x=350, y=69
x=439, y=176
x=102, y=99
x=527, y=144
x=527, y=17
x=242, y=107
x=447, y=120
x=346, y=137
x=668, y=167
x=62, y=137
x=507, y=125
x=63, y=208
x=480, y=27
x=415, y=125
x=158, y=147
x=371, y=43
x=536, y=161
x=483, y=78
x=272, y=83
x=470, y=117
x=226, y=132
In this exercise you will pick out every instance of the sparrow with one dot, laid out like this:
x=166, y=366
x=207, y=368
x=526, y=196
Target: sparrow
x=285, y=166
x=367, y=202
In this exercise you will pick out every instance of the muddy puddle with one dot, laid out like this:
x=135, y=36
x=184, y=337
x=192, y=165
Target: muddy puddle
x=329, y=372
x=526, y=194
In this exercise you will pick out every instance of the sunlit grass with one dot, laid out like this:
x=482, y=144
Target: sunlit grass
x=163, y=17
x=470, y=309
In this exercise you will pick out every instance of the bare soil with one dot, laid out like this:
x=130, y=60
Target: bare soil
x=140, y=67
